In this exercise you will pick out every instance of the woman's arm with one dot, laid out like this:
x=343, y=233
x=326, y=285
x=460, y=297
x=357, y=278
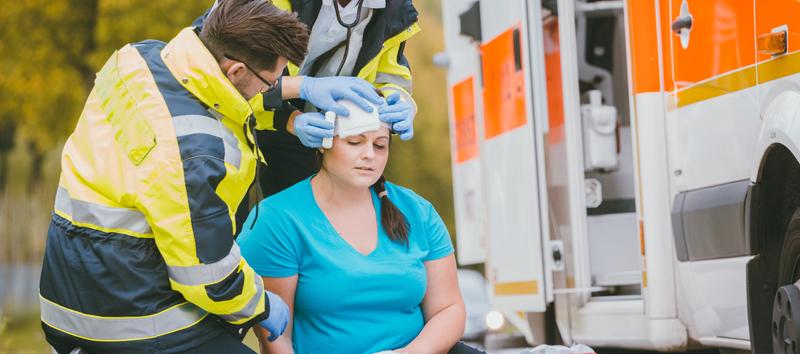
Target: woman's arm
x=443, y=308
x=285, y=288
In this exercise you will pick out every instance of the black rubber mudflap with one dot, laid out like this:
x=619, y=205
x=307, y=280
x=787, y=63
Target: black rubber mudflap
x=759, y=307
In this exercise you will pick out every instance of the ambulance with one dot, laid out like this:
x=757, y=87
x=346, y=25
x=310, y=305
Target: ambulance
x=626, y=172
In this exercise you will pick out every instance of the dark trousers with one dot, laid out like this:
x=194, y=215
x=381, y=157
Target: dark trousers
x=461, y=348
x=288, y=161
x=223, y=343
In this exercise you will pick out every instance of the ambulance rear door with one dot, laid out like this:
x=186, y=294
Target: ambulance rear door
x=463, y=82
x=512, y=162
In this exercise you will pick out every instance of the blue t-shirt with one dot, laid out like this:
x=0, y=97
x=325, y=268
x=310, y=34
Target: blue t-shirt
x=346, y=302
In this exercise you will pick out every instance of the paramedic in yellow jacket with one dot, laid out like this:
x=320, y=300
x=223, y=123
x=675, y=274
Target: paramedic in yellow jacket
x=140, y=254
x=372, y=48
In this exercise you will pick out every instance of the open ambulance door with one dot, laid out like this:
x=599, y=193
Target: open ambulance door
x=463, y=83
x=512, y=162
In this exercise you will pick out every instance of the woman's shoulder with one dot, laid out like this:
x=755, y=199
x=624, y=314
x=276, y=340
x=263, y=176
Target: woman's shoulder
x=289, y=200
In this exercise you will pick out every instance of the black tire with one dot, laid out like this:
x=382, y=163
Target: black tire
x=788, y=273
x=789, y=265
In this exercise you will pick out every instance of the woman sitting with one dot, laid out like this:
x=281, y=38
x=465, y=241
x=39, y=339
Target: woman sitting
x=364, y=265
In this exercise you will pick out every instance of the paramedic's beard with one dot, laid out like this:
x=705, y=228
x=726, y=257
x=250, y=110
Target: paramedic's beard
x=241, y=86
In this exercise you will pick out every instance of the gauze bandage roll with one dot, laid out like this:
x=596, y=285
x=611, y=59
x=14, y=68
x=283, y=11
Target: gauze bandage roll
x=359, y=121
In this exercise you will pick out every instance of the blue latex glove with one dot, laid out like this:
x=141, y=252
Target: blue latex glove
x=311, y=128
x=398, y=114
x=278, y=317
x=323, y=92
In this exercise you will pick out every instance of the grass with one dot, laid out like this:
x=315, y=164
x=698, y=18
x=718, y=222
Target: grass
x=22, y=335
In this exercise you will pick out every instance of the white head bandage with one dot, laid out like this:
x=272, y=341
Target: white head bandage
x=359, y=121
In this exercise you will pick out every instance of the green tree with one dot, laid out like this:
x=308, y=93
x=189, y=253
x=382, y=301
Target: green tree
x=52, y=50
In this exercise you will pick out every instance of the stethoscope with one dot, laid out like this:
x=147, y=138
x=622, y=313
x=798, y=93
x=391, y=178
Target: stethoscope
x=349, y=27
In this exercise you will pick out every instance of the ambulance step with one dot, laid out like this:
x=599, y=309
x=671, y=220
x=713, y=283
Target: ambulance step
x=618, y=278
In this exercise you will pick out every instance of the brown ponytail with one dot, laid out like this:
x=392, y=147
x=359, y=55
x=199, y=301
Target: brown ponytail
x=392, y=219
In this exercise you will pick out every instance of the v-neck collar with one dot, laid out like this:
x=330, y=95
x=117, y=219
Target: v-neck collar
x=375, y=206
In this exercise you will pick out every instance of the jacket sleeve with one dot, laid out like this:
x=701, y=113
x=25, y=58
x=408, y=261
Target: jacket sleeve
x=271, y=112
x=191, y=208
x=394, y=74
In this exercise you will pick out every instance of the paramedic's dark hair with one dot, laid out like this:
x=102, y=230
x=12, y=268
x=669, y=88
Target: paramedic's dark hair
x=254, y=31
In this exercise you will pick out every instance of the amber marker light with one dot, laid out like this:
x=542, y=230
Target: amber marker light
x=772, y=43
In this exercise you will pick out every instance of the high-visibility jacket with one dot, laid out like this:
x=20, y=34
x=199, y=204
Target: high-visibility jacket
x=140, y=252
x=380, y=61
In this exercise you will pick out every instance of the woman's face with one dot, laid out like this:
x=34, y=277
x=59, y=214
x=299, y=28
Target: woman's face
x=358, y=160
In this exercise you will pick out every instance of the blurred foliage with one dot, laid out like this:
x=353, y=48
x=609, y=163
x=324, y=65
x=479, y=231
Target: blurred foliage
x=52, y=50
x=22, y=335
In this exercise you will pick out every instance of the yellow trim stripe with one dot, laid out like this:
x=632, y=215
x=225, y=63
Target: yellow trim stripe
x=718, y=86
x=530, y=287
x=779, y=67
x=743, y=78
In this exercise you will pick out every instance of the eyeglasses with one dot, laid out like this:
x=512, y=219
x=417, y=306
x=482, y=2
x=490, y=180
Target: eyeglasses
x=270, y=85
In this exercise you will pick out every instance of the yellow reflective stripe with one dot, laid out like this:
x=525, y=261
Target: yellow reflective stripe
x=123, y=328
x=778, y=67
x=746, y=77
x=101, y=217
x=530, y=287
x=386, y=65
x=211, y=273
x=735, y=81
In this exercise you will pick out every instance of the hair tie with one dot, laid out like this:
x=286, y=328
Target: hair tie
x=383, y=193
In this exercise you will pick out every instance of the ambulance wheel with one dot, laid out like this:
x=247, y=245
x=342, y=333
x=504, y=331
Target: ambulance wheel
x=785, y=327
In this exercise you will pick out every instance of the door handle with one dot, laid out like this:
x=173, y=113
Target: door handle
x=682, y=26
x=682, y=23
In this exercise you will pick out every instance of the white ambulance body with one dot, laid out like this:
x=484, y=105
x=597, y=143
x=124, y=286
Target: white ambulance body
x=628, y=171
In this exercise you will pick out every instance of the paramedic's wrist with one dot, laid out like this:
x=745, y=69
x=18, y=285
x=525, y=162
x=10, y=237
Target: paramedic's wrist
x=278, y=317
x=290, y=122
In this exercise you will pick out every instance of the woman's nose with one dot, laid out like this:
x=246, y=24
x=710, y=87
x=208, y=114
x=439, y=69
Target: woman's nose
x=369, y=152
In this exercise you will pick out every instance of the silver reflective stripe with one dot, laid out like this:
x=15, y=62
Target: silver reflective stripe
x=251, y=308
x=101, y=215
x=119, y=328
x=197, y=124
x=207, y=273
x=384, y=78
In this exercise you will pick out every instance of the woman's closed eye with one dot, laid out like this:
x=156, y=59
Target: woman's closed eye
x=379, y=146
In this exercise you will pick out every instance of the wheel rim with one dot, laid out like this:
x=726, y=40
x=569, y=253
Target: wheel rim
x=785, y=320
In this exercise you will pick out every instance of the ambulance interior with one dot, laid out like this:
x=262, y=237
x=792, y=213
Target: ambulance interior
x=611, y=222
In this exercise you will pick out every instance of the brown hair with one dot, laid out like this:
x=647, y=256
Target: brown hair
x=392, y=219
x=254, y=31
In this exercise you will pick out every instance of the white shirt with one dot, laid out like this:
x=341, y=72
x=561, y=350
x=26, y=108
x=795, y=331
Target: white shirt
x=327, y=33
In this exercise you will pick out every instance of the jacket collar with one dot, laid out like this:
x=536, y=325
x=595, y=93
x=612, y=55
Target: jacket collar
x=397, y=19
x=196, y=69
